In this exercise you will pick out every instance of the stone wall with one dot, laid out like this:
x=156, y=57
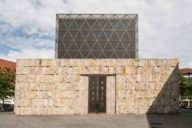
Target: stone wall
x=60, y=86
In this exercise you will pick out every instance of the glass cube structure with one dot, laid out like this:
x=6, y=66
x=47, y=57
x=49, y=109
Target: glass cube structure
x=96, y=36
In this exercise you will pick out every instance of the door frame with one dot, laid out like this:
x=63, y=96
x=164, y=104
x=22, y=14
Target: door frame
x=97, y=94
x=111, y=101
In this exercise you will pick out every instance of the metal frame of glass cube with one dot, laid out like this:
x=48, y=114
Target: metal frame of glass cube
x=96, y=36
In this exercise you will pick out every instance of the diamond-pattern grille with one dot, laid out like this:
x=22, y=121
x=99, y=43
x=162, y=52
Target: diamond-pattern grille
x=96, y=36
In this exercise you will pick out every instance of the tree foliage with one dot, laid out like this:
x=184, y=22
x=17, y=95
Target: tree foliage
x=185, y=84
x=7, y=83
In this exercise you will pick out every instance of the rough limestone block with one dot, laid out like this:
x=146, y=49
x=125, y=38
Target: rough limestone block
x=140, y=86
x=112, y=70
x=155, y=70
x=141, y=63
x=123, y=62
x=22, y=79
x=41, y=110
x=66, y=103
x=20, y=71
x=104, y=70
x=28, y=62
x=34, y=87
x=64, y=62
x=31, y=79
x=110, y=62
x=49, y=78
x=75, y=70
x=149, y=70
x=25, y=110
x=49, y=86
x=67, y=86
x=138, y=78
x=36, y=70
x=48, y=94
x=31, y=94
x=131, y=79
x=130, y=86
x=21, y=86
x=130, y=62
x=17, y=110
x=62, y=110
x=24, y=102
x=36, y=62
x=151, y=62
x=66, y=94
x=80, y=62
x=40, y=102
x=34, y=94
x=172, y=62
x=92, y=70
x=139, y=70
x=60, y=70
x=59, y=102
x=86, y=62
x=70, y=78
x=49, y=70
x=50, y=103
x=19, y=94
x=130, y=70
x=59, y=78
x=161, y=63
x=40, y=78
x=86, y=70
x=24, y=62
x=48, y=63
x=97, y=69
x=163, y=70
x=70, y=70
x=24, y=70
x=73, y=62
x=93, y=62
x=135, y=62
x=120, y=70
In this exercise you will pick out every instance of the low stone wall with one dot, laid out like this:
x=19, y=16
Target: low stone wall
x=60, y=86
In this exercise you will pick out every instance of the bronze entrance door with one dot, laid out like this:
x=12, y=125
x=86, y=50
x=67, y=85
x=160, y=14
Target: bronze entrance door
x=97, y=94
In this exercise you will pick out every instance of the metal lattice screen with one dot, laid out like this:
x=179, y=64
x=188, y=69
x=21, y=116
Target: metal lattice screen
x=96, y=36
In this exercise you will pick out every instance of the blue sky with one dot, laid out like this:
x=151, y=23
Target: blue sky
x=27, y=27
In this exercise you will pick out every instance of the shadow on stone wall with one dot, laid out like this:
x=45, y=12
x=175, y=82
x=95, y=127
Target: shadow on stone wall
x=167, y=101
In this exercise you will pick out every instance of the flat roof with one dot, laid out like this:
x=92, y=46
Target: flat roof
x=92, y=16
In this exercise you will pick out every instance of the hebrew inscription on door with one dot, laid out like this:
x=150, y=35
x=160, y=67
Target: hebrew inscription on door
x=97, y=94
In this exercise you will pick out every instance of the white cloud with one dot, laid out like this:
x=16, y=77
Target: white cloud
x=164, y=25
x=29, y=53
x=22, y=12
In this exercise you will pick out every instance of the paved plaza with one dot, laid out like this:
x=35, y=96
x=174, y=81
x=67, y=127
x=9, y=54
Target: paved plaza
x=181, y=120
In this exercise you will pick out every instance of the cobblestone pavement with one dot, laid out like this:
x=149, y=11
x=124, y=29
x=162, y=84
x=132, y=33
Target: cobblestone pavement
x=181, y=120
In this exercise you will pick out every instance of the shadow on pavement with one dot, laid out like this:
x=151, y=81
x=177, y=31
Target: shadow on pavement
x=166, y=103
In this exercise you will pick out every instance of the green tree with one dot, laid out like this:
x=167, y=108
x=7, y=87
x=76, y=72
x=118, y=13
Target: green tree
x=7, y=83
x=185, y=85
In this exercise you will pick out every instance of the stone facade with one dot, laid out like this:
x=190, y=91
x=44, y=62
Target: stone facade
x=60, y=86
